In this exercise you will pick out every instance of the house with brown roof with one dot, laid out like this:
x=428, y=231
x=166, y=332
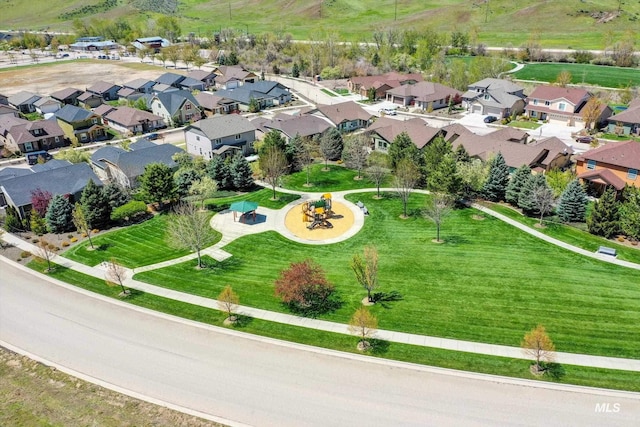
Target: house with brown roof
x=20, y=135
x=561, y=105
x=89, y=100
x=206, y=77
x=232, y=76
x=423, y=95
x=626, y=122
x=615, y=164
x=103, y=109
x=291, y=126
x=213, y=104
x=47, y=105
x=67, y=96
x=381, y=83
x=107, y=91
x=131, y=121
x=385, y=130
x=346, y=116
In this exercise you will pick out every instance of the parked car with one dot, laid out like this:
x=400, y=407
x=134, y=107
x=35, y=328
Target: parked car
x=585, y=139
x=490, y=119
x=388, y=111
x=153, y=136
x=36, y=156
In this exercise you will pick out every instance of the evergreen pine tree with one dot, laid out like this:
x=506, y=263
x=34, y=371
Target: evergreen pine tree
x=157, y=183
x=462, y=155
x=295, y=71
x=37, y=223
x=12, y=220
x=218, y=170
x=116, y=195
x=183, y=179
x=495, y=187
x=525, y=201
x=630, y=213
x=519, y=177
x=96, y=205
x=444, y=178
x=605, y=216
x=573, y=203
x=403, y=147
x=241, y=173
x=59, y=214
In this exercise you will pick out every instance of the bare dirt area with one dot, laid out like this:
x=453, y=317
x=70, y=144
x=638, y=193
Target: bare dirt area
x=34, y=394
x=47, y=78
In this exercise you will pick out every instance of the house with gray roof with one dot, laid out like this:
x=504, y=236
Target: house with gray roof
x=232, y=76
x=89, y=100
x=191, y=84
x=626, y=122
x=125, y=167
x=25, y=136
x=170, y=79
x=140, y=85
x=67, y=95
x=291, y=126
x=498, y=97
x=67, y=180
x=385, y=130
x=80, y=125
x=47, y=105
x=222, y=135
x=24, y=101
x=154, y=44
x=346, y=116
x=107, y=91
x=265, y=93
x=175, y=107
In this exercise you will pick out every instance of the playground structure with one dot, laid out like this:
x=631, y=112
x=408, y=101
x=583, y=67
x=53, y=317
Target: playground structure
x=318, y=212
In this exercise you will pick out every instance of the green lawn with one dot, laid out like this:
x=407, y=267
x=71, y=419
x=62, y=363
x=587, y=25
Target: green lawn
x=134, y=246
x=599, y=75
x=328, y=92
x=341, y=91
x=337, y=178
x=263, y=197
x=488, y=282
x=525, y=124
x=571, y=235
x=592, y=377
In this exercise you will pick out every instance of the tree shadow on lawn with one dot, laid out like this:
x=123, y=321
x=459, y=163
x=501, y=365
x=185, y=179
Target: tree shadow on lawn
x=210, y=265
x=242, y=321
x=555, y=371
x=384, y=298
x=316, y=308
x=378, y=347
x=99, y=248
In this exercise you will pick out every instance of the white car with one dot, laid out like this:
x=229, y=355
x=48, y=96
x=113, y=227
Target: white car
x=388, y=111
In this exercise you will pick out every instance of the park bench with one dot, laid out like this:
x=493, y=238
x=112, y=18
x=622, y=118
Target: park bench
x=607, y=251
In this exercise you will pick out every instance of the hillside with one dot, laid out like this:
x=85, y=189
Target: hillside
x=561, y=24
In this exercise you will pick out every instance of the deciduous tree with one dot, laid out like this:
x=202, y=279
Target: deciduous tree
x=356, y=152
x=563, y=79
x=305, y=150
x=40, y=200
x=44, y=251
x=228, y=301
x=116, y=274
x=79, y=219
x=203, y=189
x=538, y=345
x=364, y=325
x=437, y=209
x=591, y=111
x=573, y=203
x=189, y=228
x=366, y=269
x=405, y=180
x=304, y=287
x=558, y=180
x=377, y=171
x=273, y=164
x=472, y=175
x=330, y=146
x=543, y=201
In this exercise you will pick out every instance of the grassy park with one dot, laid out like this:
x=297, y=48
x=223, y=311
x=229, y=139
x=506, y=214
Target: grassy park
x=598, y=75
x=338, y=178
x=446, y=290
x=593, y=377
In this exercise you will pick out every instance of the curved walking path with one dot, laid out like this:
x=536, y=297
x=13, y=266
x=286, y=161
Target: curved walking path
x=269, y=219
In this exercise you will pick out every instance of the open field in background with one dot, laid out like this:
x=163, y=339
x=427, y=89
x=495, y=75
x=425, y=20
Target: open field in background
x=615, y=77
x=447, y=289
x=518, y=368
x=565, y=24
x=134, y=246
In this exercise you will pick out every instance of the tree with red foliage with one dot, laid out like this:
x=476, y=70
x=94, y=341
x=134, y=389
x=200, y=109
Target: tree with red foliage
x=304, y=287
x=40, y=201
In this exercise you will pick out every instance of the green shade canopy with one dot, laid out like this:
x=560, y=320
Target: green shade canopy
x=244, y=206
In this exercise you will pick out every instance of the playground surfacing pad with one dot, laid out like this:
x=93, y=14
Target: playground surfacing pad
x=342, y=221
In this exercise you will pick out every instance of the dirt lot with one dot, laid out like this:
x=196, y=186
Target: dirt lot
x=47, y=78
x=34, y=394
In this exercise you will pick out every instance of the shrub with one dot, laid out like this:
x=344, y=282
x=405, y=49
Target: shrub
x=620, y=238
x=25, y=254
x=129, y=211
x=74, y=239
x=35, y=240
x=84, y=234
x=69, y=236
x=51, y=246
x=95, y=231
x=65, y=244
x=216, y=207
x=304, y=288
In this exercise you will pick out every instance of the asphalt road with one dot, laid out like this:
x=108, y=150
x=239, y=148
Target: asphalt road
x=264, y=384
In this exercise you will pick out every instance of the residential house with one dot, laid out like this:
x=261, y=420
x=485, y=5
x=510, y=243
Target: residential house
x=131, y=121
x=125, y=167
x=25, y=136
x=381, y=83
x=67, y=96
x=264, y=93
x=24, y=101
x=4, y=99
x=222, y=135
x=500, y=98
x=129, y=94
x=107, y=91
x=291, y=126
x=423, y=95
x=232, y=76
x=206, y=77
x=541, y=156
x=161, y=88
x=70, y=179
x=626, y=122
x=213, y=104
x=80, y=125
x=6, y=110
x=140, y=85
x=170, y=79
x=385, y=130
x=153, y=44
x=175, y=107
x=561, y=105
x=89, y=100
x=47, y=105
x=346, y=116
x=191, y=84
x=104, y=109
x=615, y=164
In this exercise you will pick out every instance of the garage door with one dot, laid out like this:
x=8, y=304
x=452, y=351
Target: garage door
x=477, y=109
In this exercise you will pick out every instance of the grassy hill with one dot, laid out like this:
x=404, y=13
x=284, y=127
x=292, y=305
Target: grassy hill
x=562, y=24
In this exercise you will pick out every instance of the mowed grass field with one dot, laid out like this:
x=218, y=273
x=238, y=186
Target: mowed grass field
x=487, y=283
x=598, y=75
x=565, y=24
x=337, y=178
x=135, y=246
